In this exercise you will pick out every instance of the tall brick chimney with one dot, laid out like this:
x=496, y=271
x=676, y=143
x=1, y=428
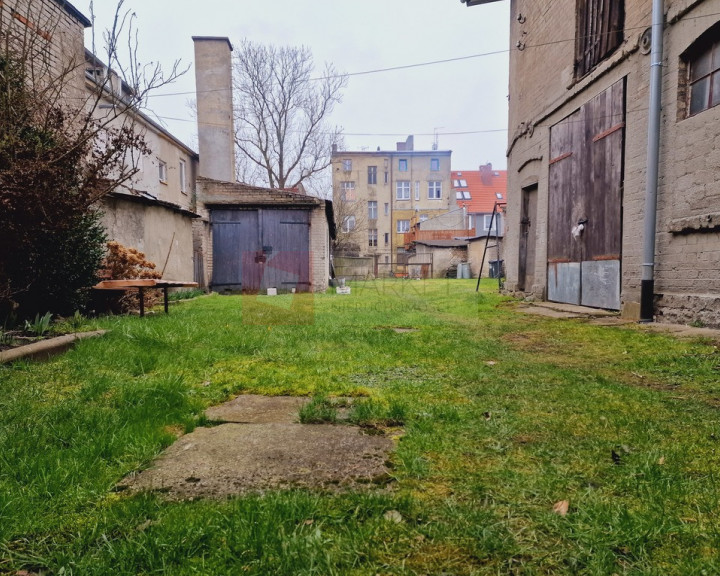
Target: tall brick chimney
x=213, y=84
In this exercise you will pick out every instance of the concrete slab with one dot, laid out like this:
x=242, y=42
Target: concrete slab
x=548, y=312
x=573, y=309
x=238, y=458
x=252, y=408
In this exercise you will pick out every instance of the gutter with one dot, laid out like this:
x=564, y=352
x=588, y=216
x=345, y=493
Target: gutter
x=647, y=287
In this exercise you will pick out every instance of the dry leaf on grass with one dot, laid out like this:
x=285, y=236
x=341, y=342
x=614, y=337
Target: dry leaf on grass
x=561, y=507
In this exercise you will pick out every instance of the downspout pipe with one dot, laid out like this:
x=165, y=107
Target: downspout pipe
x=647, y=287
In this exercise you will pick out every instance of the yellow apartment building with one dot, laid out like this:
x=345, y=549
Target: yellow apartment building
x=379, y=195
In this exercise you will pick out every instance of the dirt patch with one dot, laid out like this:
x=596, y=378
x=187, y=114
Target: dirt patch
x=267, y=449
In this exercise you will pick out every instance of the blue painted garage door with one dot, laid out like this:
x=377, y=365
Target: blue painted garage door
x=254, y=250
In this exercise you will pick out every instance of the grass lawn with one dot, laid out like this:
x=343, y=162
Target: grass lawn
x=504, y=416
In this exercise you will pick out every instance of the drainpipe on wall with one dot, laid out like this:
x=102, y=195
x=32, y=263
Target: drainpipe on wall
x=647, y=288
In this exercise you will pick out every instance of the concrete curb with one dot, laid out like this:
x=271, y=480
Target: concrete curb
x=45, y=349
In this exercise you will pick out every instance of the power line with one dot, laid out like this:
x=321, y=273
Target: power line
x=434, y=62
x=379, y=134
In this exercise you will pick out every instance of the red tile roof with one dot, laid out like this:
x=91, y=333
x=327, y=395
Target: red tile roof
x=486, y=186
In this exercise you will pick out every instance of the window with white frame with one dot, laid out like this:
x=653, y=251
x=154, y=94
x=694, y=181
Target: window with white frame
x=402, y=190
x=434, y=164
x=183, y=182
x=423, y=217
x=387, y=208
x=435, y=189
x=417, y=190
x=162, y=171
x=402, y=165
x=347, y=165
x=349, y=223
x=372, y=209
x=372, y=237
x=372, y=174
x=496, y=224
x=347, y=191
x=403, y=226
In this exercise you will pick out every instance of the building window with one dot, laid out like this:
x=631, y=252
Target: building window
x=402, y=190
x=372, y=237
x=599, y=32
x=386, y=177
x=496, y=224
x=387, y=209
x=387, y=240
x=403, y=226
x=435, y=189
x=372, y=210
x=347, y=165
x=402, y=165
x=372, y=174
x=417, y=190
x=162, y=171
x=183, y=184
x=423, y=217
x=704, y=79
x=348, y=224
x=347, y=191
x=434, y=164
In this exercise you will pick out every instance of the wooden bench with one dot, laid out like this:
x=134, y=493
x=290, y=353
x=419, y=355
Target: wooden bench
x=141, y=284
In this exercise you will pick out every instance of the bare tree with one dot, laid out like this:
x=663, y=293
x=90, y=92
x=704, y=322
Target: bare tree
x=351, y=222
x=281, y=114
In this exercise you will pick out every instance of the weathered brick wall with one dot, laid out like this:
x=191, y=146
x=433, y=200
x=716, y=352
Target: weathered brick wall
x=687, y=276
x=543, y=92
x=50, y=37
x=319, y=251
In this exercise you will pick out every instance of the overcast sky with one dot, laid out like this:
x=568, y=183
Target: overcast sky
x=468, y=94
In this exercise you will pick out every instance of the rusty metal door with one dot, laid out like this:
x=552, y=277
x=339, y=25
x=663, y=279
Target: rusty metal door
x=528, y=236
x=585, y=202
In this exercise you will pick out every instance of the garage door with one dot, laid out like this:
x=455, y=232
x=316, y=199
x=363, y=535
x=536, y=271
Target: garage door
x=254, y=250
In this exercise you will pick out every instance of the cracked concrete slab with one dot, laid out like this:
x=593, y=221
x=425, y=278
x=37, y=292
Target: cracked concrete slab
x=263, y=448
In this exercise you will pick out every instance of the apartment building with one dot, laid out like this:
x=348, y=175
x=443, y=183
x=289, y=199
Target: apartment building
x=379, y=195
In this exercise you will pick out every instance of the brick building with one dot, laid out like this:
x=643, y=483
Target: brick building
x=578, y=154
x=380, y=195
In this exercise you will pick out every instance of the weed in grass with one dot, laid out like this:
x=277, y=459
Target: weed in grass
x=319, y=410
x=40, y=325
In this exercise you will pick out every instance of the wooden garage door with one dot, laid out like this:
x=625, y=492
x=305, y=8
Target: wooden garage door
x=254, y=250
x=585, y=186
